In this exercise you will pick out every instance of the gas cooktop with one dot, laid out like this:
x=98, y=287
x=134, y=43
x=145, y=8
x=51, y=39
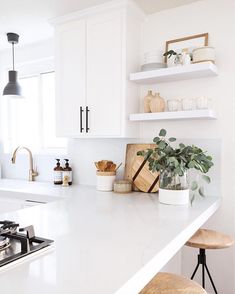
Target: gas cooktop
x=16, y=242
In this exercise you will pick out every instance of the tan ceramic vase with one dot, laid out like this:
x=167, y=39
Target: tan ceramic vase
x=157, y=103
x=147, y=100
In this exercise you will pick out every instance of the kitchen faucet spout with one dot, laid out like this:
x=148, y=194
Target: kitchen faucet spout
x=32, y=173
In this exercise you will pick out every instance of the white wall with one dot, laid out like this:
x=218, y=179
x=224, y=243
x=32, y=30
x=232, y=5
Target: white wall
x=215, y=17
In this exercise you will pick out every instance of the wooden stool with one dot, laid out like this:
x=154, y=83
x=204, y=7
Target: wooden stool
x=166, y=283
x=208, y=239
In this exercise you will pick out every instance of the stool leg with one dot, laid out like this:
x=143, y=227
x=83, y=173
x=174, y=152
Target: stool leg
x=202, y=261
x=195, y=271
x=203, y=276
x=212, y=283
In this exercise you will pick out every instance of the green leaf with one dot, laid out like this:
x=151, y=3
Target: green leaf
x=194, y=186
x=191, y=164
x=179, y=171
x=162, y=133
x=162, y=145
x=172, y=139
x=168, y=150
x=181, y=145
x=201, y=192
x=156, y=140
x=170, y=53
x=192, y=199
x=206, y=179
x=140, y=153
x=173, y=160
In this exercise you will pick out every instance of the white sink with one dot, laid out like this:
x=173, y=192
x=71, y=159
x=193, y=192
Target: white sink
x=10, y=201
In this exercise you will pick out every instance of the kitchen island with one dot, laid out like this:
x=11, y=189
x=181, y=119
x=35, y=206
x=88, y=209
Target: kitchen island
x=104, y=242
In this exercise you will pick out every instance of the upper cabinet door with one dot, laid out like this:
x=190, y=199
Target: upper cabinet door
x=104, y=74
x=70, y=77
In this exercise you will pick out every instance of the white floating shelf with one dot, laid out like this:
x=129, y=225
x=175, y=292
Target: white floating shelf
x=176, y=73
x=174, y=115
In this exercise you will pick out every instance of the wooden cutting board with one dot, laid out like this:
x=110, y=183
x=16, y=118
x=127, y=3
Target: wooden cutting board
x=143, y=178
x=131, y=156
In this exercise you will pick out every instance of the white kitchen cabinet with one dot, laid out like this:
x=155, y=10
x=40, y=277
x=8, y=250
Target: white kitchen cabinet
x=104, y=73
x=95, y=52
x=70, y=77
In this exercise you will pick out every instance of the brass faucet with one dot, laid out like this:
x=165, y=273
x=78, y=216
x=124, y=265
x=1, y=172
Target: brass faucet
x=32, y=173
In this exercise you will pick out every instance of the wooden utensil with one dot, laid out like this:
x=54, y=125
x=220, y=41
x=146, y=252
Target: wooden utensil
x=131, y=156
x=109, y=164
x=143, y=178
x=112, y=167
x=101, y=165
x=118, y=166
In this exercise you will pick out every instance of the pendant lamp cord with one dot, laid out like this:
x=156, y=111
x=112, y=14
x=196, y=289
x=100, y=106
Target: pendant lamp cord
x=13, y=56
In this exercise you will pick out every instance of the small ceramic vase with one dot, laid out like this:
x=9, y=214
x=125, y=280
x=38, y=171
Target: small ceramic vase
x=173, y=105
x=186, y=59
x=188, y=104
x=157, y=103
x=147, y=100
x=203, y=102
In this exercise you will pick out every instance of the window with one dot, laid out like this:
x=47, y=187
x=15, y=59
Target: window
x=31, y=121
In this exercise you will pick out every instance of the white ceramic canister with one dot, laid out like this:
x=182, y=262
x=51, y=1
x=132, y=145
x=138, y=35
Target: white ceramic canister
x=203, y=102
x=173, y=105
x=188, y=104
x=203, y=54
x=105, y=180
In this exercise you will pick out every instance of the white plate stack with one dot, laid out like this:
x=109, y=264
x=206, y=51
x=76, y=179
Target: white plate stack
x=153, y=56
x=152, y=60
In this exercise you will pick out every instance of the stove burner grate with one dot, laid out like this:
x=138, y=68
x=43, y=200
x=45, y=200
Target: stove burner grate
x=22, y=242
x=8, y=227
x=4, y=243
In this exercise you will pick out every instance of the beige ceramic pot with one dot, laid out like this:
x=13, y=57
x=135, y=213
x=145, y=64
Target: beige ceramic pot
x=157, y=103
x=147, y=100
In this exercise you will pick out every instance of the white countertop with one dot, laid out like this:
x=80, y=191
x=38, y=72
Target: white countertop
x=104, y=242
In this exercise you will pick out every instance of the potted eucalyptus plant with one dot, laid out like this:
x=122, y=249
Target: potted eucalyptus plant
x=173, y=165
x=173, y=58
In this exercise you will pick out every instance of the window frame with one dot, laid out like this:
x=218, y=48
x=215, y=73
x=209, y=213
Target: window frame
x=28, y=70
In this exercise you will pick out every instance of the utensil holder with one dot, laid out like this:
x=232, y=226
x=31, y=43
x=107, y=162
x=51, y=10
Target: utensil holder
x=105, y=180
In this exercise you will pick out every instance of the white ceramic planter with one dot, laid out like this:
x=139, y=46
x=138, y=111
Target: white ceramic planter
x=105, y=181
x=174, y=197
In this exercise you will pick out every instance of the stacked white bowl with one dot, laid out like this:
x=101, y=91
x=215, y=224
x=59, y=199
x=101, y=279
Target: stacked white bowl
x=153, y=56
x=152, y=60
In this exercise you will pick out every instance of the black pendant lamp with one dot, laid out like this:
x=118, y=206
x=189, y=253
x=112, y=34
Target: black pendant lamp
x=13, y=88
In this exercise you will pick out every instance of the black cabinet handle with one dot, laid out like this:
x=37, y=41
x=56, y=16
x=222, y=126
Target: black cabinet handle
x=81, y=127
x=87, y=119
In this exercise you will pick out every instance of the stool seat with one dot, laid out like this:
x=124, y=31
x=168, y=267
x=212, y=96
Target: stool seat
x=166, y=283
x=209, y=239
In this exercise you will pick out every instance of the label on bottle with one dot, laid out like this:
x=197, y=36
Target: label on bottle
x=68, y=173
x=57, y=176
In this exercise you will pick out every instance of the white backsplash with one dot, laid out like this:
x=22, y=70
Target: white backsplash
x=84, y=152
